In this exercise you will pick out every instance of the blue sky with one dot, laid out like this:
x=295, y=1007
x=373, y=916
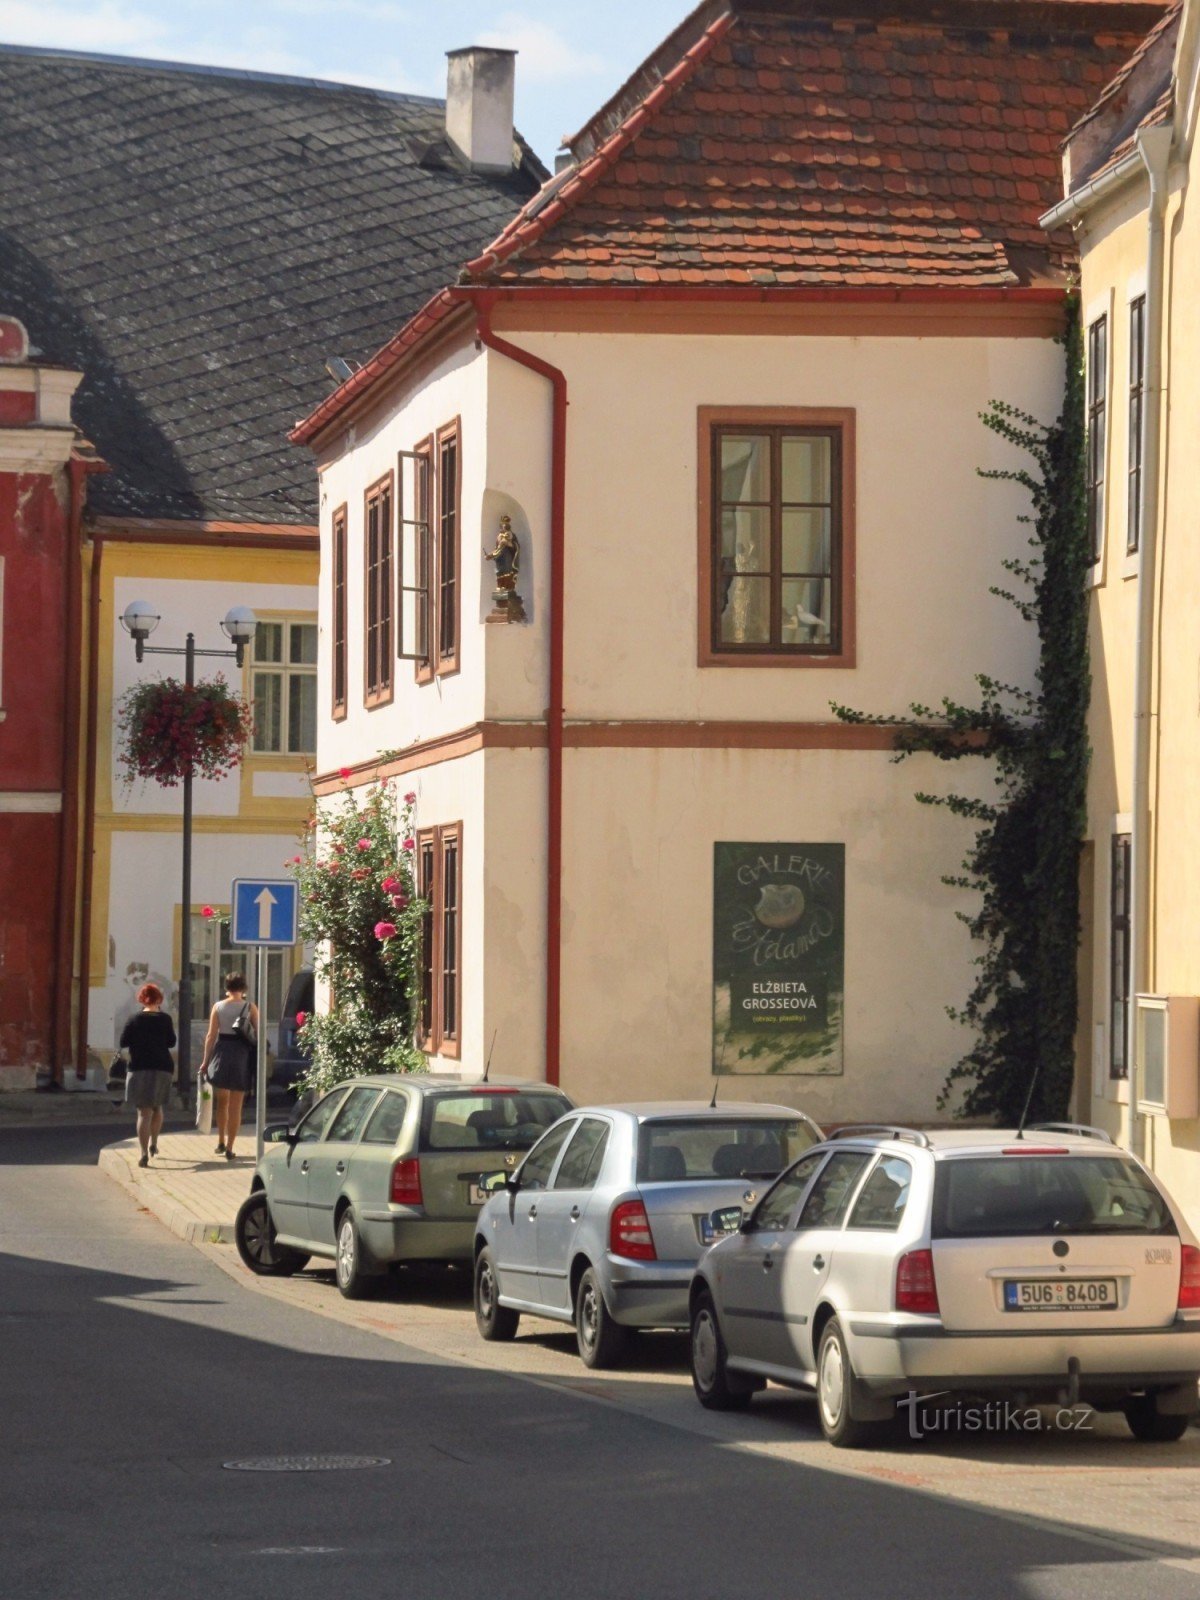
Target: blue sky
x=573, y=53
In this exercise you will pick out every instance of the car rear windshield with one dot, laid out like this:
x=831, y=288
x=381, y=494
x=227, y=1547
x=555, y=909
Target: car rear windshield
x=690, y=1149
x=496, y=1119
x=980, y=1197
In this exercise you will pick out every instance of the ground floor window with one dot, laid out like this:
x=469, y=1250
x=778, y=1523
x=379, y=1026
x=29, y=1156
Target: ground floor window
x=1119, y=914
x=439, y=856
x=214, y=958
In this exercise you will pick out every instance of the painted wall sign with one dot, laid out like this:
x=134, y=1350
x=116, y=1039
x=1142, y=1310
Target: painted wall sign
x=779, y=947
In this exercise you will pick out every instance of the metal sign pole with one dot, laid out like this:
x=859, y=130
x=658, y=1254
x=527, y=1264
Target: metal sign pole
x=260, y=1098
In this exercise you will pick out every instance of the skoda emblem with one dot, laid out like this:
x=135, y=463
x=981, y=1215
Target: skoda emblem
x=749, y=1197
x=510, y=1161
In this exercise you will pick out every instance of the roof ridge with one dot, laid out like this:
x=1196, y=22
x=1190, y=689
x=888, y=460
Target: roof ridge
x=243, y=74
x=537, y=216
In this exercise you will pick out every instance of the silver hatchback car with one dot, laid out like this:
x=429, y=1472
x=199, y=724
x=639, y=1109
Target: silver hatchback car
x=887, y=1265
x=604, y=1221
x=388, y=1169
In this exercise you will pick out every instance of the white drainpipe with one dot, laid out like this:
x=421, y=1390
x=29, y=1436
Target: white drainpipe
x=1154, y=147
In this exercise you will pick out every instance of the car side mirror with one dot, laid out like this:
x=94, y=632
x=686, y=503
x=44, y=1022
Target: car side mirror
x=279, y=1134
x=721, y=1223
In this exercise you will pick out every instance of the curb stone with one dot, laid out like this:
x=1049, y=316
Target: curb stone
x=180, y=1219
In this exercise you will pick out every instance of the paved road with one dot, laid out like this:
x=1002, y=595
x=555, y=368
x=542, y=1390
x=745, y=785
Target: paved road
x=132, y=1367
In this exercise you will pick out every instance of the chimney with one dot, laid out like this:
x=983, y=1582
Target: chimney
x=479, y=106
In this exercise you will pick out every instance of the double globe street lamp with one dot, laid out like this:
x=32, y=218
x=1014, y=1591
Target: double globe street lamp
x=139, y=620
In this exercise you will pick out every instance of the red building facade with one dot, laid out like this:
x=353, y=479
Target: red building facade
x=43, y=465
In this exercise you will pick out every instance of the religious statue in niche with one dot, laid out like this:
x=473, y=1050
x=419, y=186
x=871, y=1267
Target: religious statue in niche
x=507, y=605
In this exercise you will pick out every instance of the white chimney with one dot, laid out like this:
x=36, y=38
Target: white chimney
x=479, y=106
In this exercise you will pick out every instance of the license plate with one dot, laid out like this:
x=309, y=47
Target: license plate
x=710, y=1232
x=478, y=1192
x=1061, y=1294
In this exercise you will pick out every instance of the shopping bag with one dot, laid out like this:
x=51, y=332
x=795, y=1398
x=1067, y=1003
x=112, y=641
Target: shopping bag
x=204, y=1099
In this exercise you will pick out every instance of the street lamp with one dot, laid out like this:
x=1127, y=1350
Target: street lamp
x=139, y=620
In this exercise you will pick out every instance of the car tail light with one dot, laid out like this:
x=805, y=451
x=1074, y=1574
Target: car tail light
x=406, y=1183
x=629, y=1232
x=916, y=1286
x=1189, y=1279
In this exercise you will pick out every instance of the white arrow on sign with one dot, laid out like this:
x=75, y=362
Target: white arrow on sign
x=264, y=901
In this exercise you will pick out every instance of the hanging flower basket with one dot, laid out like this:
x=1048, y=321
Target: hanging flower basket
x=167, y=730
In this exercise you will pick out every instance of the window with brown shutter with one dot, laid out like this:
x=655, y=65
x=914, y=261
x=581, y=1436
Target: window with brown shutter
x=439, y=876
x=377, y=677
x=339, y=614
x=776, y=537
x=449, y=484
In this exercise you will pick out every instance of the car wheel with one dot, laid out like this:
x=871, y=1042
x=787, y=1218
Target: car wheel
x=494, y=1321
x=715, y=1386
x=836, y=1388
x=1151, y=1426
x=352, y=1278
x=254, y=1234
x=602, y=1342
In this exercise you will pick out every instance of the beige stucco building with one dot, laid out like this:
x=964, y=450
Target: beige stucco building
x=1128, y=168
x=734, y=420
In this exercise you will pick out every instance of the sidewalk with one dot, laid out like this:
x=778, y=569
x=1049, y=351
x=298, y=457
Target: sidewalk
x=187, y=1186
x=29, y=1108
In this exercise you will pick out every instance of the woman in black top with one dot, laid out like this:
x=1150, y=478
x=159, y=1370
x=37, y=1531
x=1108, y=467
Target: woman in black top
x=149, y=1038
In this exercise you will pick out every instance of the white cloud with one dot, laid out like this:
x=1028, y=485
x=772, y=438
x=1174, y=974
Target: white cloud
x=110, y=26
x=546, y=56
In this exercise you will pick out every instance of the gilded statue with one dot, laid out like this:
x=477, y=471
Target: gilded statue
x=507, y=556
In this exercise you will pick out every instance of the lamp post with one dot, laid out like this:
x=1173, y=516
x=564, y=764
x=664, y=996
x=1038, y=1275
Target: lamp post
x=139, y=620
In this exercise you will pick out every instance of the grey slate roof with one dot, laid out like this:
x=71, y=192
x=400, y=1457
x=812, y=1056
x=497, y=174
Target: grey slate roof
x=198, y=242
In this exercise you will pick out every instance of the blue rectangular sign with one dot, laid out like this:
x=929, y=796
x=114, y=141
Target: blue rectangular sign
x=265, y=911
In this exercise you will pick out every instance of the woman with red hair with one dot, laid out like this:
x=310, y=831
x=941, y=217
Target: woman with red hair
x=149, y=1038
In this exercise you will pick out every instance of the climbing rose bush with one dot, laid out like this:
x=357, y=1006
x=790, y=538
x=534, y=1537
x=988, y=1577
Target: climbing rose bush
x=360, y=908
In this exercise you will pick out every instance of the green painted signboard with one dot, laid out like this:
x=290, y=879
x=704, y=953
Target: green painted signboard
x=779, y=954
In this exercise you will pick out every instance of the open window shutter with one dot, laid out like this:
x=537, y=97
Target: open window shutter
x=412, y=565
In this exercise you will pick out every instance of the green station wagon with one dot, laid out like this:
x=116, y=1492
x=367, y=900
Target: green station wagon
x=388, y=1169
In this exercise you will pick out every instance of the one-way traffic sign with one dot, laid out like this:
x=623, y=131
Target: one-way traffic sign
x=265, y=911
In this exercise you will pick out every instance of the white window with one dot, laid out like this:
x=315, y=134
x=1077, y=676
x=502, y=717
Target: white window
x=283, y=678
x=214, y=958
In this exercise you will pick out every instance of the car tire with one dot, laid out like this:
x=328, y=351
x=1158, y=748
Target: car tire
x=254, y=1235
x=716, y=1388
x=837, y=1386
x=353, y=1280
x=1151, y=1426
x=496, y=1323
x=602, y=1342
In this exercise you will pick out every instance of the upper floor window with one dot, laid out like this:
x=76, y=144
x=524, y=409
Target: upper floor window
x=283, y=687
x=777, y=528
x=430, y=558
x=1137, y=378
x=447, y=549
x=1097, y=432
x=339, y=613
x=378, y=576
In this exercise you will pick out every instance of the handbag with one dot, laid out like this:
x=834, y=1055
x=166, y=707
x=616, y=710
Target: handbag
x=204, y=1104
x=244, y=1027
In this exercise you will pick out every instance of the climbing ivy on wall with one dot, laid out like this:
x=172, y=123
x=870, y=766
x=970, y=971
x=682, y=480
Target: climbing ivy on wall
x=1023, y=861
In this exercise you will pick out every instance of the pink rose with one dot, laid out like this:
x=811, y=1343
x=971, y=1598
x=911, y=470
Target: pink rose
x=295, y=861
x=301, y=1018
x=399, y=901
x=410, y=799
x=408, y=844
x=390, y=885
x=385, y=930
x=207, y=911
x=364, y=844
x=343, y=773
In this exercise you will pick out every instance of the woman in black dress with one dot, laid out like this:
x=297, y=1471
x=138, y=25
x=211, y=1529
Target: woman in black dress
x=149, y=1038
x=229, y=1059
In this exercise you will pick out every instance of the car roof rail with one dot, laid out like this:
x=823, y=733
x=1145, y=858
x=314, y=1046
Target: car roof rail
x=855, y=1130
x=1082, y=1129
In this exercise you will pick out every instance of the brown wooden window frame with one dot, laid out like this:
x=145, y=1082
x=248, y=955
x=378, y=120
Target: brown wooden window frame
x=444, y=614
x=424, y=511
x=839, y=424
x=1120, y=922
x=441, y=957
x=339, y=686
x=1137, y=400
x=378, y=561
x=1097, y=434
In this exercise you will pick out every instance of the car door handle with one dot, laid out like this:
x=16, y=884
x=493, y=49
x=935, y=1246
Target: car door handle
x=341, y=1166
x=304, y=1166
x=818, y=1263
x=768, y=1263
x=533, y=1211
x=574, y=1213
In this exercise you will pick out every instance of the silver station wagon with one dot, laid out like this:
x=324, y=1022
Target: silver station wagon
x=388, y=1169
x=1047, y=1267
x=604, y=1221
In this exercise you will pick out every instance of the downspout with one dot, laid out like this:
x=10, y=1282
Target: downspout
x=89, y=806
x=68, y=840
x=1154, y=148
x=555, y=711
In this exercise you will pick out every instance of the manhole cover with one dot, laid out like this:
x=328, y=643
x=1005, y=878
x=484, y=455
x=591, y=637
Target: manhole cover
x=305, y=1463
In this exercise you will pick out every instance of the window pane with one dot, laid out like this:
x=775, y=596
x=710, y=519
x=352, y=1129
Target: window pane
x=805, y=615
x=268, y=641
x=353, y=1114
x=881, y=1202
x=806, y=541
x=302, y=713
x=745, y=467
x=826, y=1204
x=450, y=939
x=746, y=617
x=268, y=708
x=303, y=644
x=746, y=540
x=807, y=469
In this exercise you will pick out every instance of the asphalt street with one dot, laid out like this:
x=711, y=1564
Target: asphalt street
x=133, y=1369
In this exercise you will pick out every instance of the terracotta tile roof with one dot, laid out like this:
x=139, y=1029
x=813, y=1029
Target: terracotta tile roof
x=1141, y=95
x=775, y=145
